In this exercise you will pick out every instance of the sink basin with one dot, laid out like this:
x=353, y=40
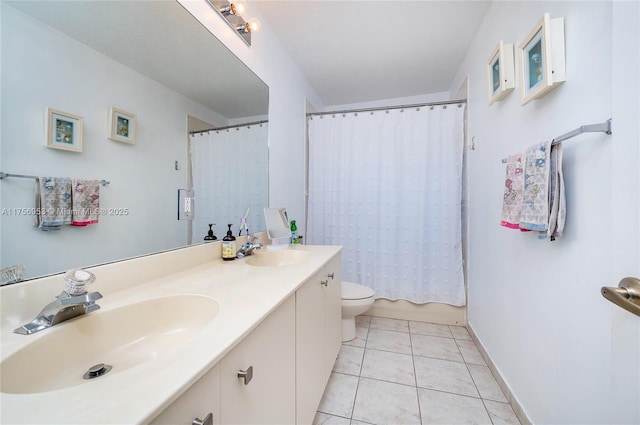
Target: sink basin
x=285, y=257
x=124, y=337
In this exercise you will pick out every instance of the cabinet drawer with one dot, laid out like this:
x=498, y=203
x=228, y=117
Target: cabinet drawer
x=198, y=401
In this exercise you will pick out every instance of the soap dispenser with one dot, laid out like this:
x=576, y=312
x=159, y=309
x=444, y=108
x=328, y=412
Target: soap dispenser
x=210, y=236
x=229, y=246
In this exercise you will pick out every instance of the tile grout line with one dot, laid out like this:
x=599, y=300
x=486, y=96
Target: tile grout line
x=364, y=350
x=415, y=373
x=506, y=390
x=475, y=385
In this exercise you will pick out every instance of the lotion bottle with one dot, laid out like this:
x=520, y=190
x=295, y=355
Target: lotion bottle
x=229, y=246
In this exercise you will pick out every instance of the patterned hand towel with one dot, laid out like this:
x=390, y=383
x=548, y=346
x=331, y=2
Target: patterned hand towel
x=557, y=200
x=53, y=202
x=535, y=199
x=86, y=202
x=513, y=191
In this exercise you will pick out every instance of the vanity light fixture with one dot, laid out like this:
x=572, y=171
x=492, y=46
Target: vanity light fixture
x=252, y=25
x=238, y=8
x=233, y=12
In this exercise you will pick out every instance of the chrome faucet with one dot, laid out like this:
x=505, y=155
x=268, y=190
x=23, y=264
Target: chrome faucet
x=66, y=306
x=249, y=247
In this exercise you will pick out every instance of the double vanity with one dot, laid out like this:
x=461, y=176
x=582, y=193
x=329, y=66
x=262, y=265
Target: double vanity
x=184, y=338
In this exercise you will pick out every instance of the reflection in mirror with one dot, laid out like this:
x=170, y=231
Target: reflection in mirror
x=151, y=59
x=240, y=192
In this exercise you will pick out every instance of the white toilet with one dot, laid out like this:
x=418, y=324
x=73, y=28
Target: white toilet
x=356, y=299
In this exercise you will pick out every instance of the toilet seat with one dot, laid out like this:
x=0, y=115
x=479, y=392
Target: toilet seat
x=353, y=291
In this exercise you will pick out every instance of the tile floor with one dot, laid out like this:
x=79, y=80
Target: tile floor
x=399, y=372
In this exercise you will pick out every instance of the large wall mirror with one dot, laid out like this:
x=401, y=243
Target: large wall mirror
x=156, y=63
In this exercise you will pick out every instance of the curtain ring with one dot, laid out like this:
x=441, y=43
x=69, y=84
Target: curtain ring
x=431, y=107
x=444, y=106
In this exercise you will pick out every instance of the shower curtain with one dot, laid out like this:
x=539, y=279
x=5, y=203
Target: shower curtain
x=228, y=168
x=387, y=185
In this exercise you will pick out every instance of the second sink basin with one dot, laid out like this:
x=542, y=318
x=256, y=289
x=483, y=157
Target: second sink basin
x=284, y=257
x=124, y=337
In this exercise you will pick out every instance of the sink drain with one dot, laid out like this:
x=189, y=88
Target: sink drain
x=97, y=371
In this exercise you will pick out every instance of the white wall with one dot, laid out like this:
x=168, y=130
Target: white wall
x=41, y=68
x=536, y=305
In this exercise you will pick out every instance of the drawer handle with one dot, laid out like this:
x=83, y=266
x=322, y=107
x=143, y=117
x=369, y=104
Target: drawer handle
x=324, y=282
x=247, y=375
x=208, y=420
x=330, y=275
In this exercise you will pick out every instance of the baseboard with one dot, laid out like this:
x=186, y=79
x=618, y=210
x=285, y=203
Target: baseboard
x=513, y=401
x=444, y=314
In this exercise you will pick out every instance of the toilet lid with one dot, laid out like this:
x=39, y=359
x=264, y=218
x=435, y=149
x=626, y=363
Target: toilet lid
x=353, y=291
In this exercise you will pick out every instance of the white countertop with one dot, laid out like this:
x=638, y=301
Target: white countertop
x=246, y=295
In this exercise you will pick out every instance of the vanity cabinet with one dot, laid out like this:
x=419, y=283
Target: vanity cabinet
x=267, y=394
x=278, y=372
x=318, y=336
x=201, y=399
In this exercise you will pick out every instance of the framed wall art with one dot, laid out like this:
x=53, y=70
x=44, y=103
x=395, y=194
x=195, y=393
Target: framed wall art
x=64, y=131
x=122, y=126
x=500, y=73
x=541, y=58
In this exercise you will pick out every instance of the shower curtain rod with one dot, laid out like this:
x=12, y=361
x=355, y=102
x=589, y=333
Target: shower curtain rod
x=228, y=127
x=386, y=108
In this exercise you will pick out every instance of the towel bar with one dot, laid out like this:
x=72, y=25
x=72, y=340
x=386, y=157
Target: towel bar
x=604, y=127
x=626, y=295
x=22, y=176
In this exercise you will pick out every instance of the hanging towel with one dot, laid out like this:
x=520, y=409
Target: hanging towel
x=513, y=191
x=557, y=200
x=53, y=202
x=86, y=202
x=535, y=199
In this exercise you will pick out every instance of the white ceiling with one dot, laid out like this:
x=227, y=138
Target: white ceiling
x=354, y=51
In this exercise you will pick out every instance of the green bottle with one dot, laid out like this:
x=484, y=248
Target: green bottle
x=294, y=232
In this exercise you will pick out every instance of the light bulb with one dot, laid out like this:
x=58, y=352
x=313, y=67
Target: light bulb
x=239, y=8
x=253, y=25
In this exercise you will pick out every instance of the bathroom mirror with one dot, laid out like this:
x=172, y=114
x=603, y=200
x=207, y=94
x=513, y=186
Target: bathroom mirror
x=152, y=62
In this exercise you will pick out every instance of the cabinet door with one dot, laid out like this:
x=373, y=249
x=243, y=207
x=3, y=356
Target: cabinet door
x=196, y=403
x=311, y=374
x=333, y=312
x=269, y=397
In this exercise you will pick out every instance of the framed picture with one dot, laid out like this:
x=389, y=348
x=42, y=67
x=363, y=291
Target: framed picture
x=500, y=74
x=122, y=126
x=541, y=54
x=64, y=131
